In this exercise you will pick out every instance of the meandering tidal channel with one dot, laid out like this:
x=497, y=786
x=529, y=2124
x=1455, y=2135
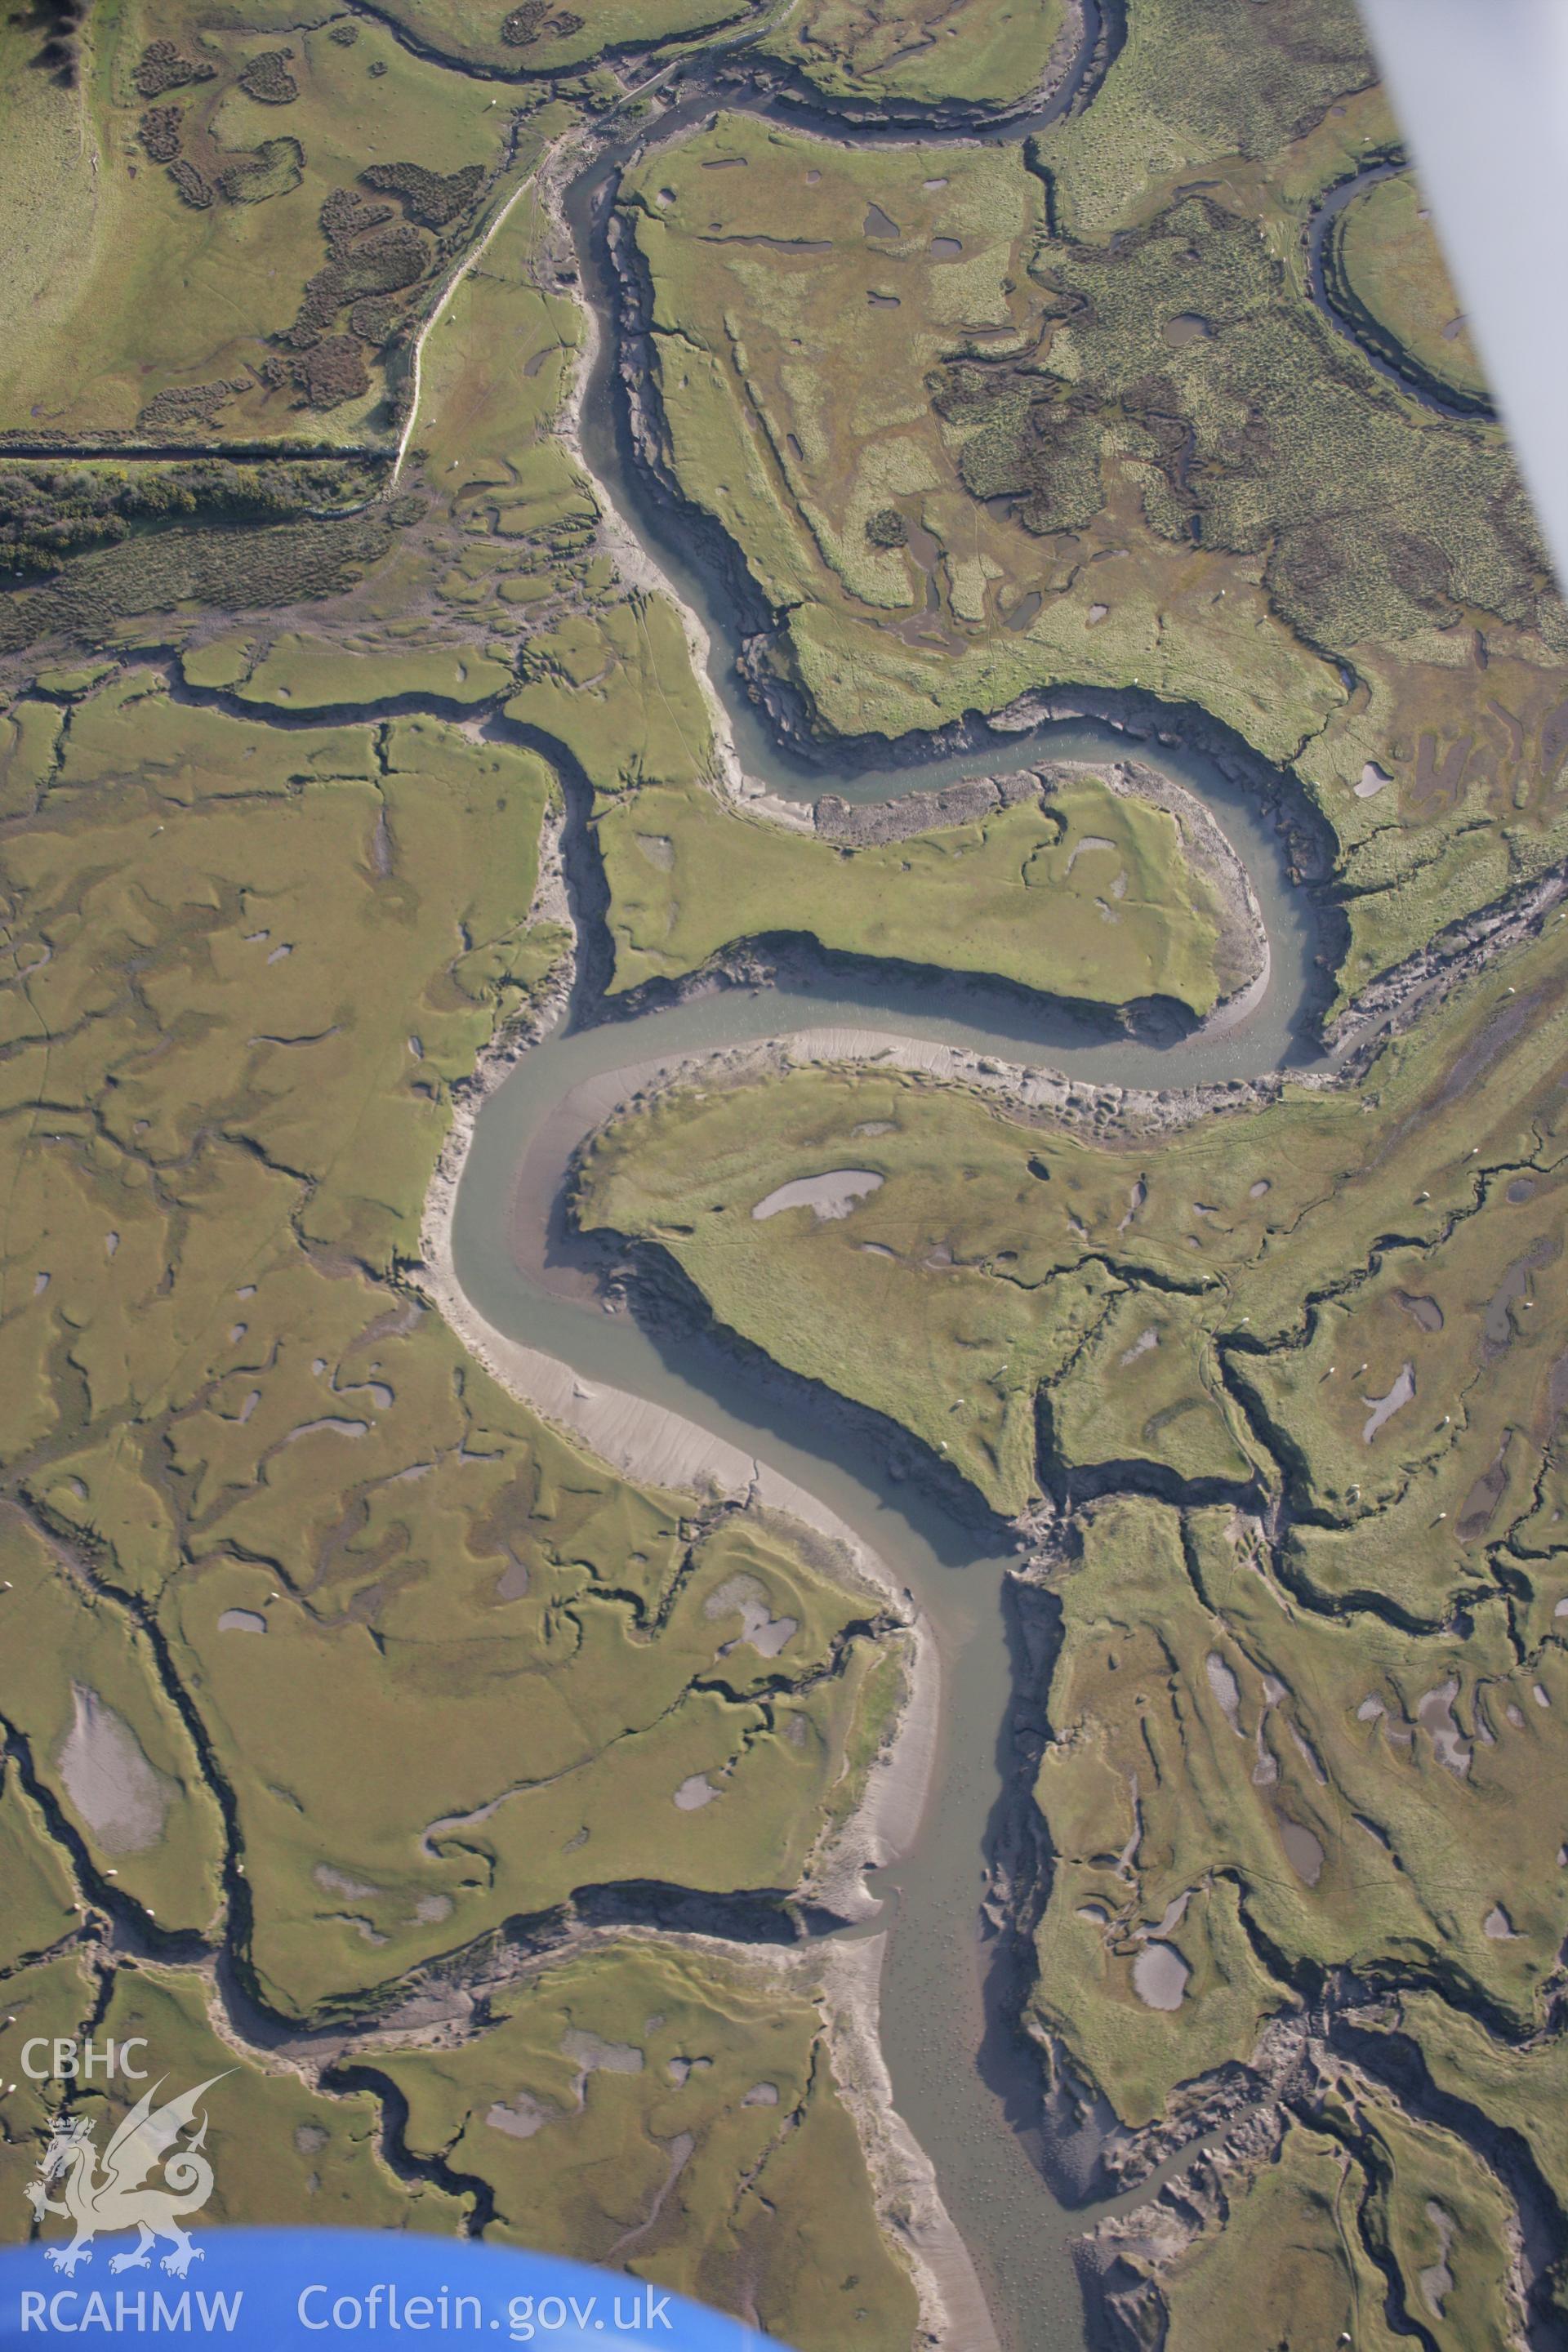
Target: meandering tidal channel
x=961, y=2079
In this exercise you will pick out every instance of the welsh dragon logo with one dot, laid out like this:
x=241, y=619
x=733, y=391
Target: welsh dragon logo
x=100, y=2203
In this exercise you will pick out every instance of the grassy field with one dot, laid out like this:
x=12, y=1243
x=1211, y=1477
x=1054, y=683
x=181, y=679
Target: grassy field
x=1389, y=273
x=47, y=190
x=494, y=533
x=1000, y=1255
x=1087, y=894
x=606, y=2078
x=252, y=965
x=977, y=53
x=173, y=309
x=548, y=39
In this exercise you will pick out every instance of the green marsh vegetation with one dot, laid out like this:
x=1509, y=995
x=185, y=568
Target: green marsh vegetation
x=549, y=36
x=1324, y=2244
x=247, y=969
x=495, y=532
x=109, y=1749
x=934, y=53
x=1111, y=428
x=55, y=1996
x=427, y=592
x=504, y=539
x=1090, y=895
x=1276, y=1762
x=1200, y=81
x=550, y=1644
x=672, y=2108
x=284, y=2153
x=1289, y=1262
x=1084, y=894
x=666, y=2108
x=319, y=1602
x=1212, y=1746
x=230, y=273
x=617, y=689
x=40, y=1908
x=301, y=673
x=1519, y=2088
x=1388, y=276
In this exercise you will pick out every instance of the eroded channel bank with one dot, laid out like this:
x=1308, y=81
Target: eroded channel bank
x=665, y=1393
x=719, y=1416
x=667, y=1398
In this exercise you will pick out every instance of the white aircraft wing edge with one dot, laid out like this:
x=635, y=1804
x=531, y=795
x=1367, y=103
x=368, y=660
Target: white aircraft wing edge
x=1480, y=91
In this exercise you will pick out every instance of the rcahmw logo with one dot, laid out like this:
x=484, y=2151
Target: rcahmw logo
x=151, y=2177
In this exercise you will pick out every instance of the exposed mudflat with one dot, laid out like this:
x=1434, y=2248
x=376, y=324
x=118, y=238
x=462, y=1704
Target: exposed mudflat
x=1160, y=1975
x=831, y=1195
x=109, y=1780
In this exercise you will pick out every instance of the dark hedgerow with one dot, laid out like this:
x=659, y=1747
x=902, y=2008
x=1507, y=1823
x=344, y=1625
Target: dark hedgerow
x=344, y=215
x=376, y=319
x=389, y=262
x=50, y=513
x=188, y=404
x=65, y=22
x=234, y=571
